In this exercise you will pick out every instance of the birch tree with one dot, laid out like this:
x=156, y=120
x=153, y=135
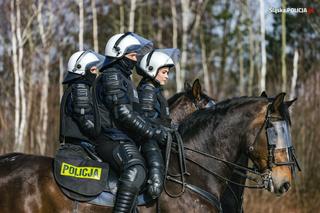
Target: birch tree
x=263, y=48
x=19, y=36
x=251, y=50
x=241, y=66
x=294, y=75
x=179, y=83
x=224, y=46
x=44, y=37
x=81, y=24
x=185, y=6
x=204, y=62
x=14, y=57
x=95, y=26
x=121, y=14
x=133, y=6
x=283, y=49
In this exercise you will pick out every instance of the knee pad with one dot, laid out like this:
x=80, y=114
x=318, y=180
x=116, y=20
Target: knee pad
x=134, y=176
x=127, y=155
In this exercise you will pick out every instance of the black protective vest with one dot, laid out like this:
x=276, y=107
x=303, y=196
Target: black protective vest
x=163, y=108
x=68, y=127
x=106, y=118
x=161, y=104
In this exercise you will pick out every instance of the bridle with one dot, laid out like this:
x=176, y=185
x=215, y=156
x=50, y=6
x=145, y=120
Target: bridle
x=265, y=180
x=197, y=104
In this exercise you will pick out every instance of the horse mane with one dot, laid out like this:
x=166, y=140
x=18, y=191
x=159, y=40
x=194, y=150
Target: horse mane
x=202, y=117
x=175, y=97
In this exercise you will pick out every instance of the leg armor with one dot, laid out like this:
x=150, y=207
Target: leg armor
x=132, y=176
x=155, y=165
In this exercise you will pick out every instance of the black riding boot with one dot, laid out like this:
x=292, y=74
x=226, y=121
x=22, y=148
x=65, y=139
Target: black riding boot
x=155, y=164
x=125, y=199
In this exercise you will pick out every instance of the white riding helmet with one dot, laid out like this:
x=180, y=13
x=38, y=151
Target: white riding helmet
x=150, y=64
x=124, y=43
x=82, y=61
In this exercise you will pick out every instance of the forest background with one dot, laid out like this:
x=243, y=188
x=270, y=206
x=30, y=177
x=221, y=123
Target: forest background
x=235, y=48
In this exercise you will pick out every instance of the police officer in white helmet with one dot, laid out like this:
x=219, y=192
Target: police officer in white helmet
x=122, y=128
x=154, y=67
x=78, y=106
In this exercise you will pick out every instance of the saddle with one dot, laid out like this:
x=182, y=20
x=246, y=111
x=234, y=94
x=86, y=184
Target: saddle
x=82, y=176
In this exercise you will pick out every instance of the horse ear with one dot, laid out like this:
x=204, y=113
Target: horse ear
x=187, y=86
x=196, y=89
x=289, y=103
x=264, y=94
x=278, y=100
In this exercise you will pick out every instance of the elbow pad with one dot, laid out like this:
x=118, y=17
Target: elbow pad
x=81, y=100
x=132, y=121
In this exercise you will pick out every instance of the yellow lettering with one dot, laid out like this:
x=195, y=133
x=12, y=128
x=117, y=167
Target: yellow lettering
x=86, y=172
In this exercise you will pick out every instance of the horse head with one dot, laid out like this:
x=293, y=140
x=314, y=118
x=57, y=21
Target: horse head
x=270, y=147
x=185, y=103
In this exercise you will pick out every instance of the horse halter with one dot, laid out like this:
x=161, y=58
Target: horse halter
x=278, y=137
x=198, y=106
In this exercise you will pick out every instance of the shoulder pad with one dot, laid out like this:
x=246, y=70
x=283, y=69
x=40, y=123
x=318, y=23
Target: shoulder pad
x=148, y=86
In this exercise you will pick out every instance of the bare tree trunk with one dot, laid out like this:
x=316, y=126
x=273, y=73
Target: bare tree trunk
x=160, y=23
x=185, y=25
x=15, y=72
x=95, y=26
x=23, y=119
x=251, y=51
x=223, y=55
x=61, y=70
x=132, y=15
x=179, y=83
x=294, y=75
x=241, y=69
x=45, y=80
x=263, y=48
x=205, y=63
x=283, y=49
x=121, y=12
x=81, y=24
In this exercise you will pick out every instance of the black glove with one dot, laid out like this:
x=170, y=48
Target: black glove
x=161, y=136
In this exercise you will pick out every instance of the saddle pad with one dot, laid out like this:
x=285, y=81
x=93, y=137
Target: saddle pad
x=75, y=171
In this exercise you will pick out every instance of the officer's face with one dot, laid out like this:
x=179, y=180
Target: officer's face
x=162, y=75
x=94, y=70
x=132, y=56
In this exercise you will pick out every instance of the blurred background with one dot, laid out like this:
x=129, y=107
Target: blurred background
x=235, y=48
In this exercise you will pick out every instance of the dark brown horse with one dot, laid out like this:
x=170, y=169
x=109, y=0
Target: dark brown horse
x=191, y=99
x=231, y=128
x=184, y=103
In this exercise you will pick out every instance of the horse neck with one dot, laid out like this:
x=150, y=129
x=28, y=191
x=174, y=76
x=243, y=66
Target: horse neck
x=223, y=136
x=180, y=109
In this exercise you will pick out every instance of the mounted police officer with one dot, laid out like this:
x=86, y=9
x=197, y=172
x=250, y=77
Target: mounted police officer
x=121, y=125
x=78, y=110
x=155, y=67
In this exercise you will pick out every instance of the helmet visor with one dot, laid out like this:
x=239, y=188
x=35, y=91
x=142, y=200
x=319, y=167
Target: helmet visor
x=145, y=46
x=173, y=53
x=98, y=63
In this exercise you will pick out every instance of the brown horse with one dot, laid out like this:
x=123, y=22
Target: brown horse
x=184, y=103
x=233, y=127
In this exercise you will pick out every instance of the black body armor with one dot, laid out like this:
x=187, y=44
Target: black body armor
x=78, y=113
